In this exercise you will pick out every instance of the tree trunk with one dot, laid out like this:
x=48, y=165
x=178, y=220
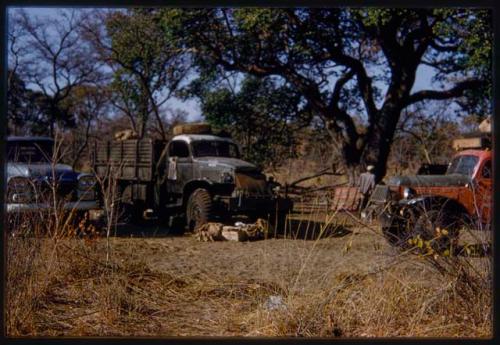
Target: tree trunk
x=378, y=146
x=350, y=155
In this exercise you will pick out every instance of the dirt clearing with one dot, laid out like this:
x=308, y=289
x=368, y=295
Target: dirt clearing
x=348, y=283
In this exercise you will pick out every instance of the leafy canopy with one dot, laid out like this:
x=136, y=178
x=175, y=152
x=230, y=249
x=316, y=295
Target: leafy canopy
x=351, y=66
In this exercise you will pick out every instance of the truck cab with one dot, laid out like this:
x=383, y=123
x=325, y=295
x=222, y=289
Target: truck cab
x=203, y=167
x=202, y=160
x=424, y=204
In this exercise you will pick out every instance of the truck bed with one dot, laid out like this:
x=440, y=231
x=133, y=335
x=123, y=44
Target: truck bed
x=132, y=159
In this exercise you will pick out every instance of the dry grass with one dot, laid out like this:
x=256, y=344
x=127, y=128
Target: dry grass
x=338, y=284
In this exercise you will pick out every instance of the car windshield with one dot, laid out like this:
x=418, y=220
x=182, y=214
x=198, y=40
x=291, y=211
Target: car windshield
x=29, y=151
x=215, y=148
x=463, y=165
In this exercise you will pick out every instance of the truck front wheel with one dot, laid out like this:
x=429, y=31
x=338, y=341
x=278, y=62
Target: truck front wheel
x=198, y=209
x=437, y=227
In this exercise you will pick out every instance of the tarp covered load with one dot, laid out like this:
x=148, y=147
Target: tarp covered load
x=192, y=128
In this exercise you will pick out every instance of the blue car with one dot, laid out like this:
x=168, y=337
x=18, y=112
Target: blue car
x=36, y=183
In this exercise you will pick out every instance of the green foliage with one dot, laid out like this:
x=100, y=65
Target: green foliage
x=348, y=65
x=17, y=94
x=262, y=116
x=43, y=111
x=31, y=112
x=148, y=66
x=471, y=32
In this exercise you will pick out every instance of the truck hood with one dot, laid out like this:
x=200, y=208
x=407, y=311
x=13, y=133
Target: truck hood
x=430, y=180
x=61, y=171
x=235, y=164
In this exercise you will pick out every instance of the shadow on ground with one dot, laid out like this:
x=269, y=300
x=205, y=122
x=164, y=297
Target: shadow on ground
x=149, y=229
x=312, y=230
x=294, y=229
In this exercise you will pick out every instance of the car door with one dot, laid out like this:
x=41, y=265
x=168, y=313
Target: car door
x=179, y=169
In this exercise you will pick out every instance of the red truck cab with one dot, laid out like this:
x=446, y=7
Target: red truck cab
x=422, y=204
x=468, y=180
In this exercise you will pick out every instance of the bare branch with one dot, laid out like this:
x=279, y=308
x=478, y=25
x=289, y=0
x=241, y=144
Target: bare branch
x=455, y=91
x=338, y=88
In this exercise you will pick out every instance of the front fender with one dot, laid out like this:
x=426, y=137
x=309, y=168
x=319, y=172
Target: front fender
x=213, y=187
x=402, y=211
x=431, y=202
x=414, y=201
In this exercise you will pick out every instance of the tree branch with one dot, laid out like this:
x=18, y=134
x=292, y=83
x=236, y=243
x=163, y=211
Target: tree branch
x=320, y=173
x=339, y=86
x=455, y=91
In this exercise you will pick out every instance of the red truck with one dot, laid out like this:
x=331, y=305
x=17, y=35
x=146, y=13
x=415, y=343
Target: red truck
x=436, y=207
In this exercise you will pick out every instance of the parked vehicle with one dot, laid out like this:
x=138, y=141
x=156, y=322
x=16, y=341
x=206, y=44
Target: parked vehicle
x=193, y=177
x=436, y=207
x=36, y=183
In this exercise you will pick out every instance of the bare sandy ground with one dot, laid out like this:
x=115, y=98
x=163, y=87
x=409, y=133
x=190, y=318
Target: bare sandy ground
x=166, y=284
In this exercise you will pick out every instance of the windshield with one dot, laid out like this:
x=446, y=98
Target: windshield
x=463, y=165
x=216, y=148
x=29, y=151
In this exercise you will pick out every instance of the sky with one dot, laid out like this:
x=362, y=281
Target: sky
x=192, y=107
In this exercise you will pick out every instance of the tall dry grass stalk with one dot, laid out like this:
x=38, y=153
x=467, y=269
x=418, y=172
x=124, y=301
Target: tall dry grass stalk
x=34, y=242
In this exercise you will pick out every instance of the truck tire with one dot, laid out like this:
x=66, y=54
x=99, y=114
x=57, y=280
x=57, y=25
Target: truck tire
x=397, y=235
x=398, y=230
x=429, y=225
x=128, y=213
x=198, y=209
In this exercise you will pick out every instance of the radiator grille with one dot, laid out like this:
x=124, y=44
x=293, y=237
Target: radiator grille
x=380, y=194
x=251, y=183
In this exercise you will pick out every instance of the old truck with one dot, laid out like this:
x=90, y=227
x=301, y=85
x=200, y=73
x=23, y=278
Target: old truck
x=36, y=183
x=436, y=207
x=193, y=178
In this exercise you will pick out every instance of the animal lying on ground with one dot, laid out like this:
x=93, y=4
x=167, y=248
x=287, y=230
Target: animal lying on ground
x=210, y=232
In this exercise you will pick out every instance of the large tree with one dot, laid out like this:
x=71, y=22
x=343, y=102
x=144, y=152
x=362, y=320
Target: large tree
x=33, y=112
x=51, y=58
x=347, y=64
x=146, y=67
x=89, y=105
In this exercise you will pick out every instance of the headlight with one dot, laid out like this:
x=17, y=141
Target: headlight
x=86, y=182
x=408, y=193
x=227, y=177
x=20, y=190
